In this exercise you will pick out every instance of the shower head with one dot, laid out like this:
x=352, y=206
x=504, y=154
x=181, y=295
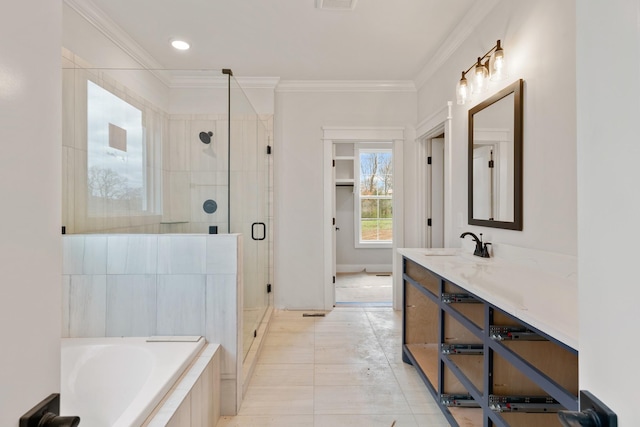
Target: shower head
x=205, y=137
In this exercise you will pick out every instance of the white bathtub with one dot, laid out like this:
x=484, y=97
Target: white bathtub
x=117, y=382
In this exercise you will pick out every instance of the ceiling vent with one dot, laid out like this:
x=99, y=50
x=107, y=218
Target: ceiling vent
x=336, y=4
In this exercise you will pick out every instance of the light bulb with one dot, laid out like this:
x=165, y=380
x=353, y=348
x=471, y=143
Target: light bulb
x=481, y=75
x=463, y=90
x=499, y=65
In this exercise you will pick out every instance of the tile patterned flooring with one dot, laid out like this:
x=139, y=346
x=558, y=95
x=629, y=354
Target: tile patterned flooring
x=344, y=369
x=362, y=288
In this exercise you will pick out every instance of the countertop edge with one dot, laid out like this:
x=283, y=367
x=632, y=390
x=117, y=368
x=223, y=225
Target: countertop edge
x=556, y=317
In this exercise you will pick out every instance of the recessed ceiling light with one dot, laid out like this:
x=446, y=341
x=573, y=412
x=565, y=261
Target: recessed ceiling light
x=180, y=44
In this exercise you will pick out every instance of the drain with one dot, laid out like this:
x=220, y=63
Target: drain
x=312, y=314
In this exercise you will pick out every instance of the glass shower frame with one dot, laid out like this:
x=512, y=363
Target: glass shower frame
x=180, y=172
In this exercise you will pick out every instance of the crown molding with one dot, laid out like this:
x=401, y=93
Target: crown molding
x=220, y=82
x=461, y=32
x=346, y=86
x=258, y=82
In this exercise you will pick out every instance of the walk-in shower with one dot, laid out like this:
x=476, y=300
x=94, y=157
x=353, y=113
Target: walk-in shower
x=169, y=151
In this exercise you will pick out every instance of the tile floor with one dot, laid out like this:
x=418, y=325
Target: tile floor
x=363, y=287
x=344, y=369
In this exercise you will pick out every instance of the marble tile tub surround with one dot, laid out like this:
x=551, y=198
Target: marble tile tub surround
x=169, y=284
x=194, y=401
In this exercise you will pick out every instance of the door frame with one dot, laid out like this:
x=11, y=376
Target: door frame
x=433, y=126
x=340, y=134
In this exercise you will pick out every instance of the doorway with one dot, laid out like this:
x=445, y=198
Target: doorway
x=434, y=203
x=363, y=223
x=335, y=137
x=435, y=192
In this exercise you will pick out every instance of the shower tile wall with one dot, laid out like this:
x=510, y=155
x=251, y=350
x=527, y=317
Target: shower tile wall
x=195, y=172
x=142, y=285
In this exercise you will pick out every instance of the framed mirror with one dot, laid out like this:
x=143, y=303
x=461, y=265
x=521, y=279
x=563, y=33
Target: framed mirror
x=495, y=160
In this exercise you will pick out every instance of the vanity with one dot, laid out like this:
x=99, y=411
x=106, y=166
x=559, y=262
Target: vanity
x=494, y=340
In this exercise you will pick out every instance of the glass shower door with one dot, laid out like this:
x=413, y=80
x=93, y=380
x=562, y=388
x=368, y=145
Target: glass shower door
x=249, y=212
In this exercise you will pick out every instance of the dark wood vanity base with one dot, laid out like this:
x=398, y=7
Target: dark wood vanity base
x=484, y=366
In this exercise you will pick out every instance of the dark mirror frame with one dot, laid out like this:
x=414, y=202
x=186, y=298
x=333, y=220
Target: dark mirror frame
x=517, y=89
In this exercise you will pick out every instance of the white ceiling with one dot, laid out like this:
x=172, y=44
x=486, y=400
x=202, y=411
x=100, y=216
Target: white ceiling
x=291, y=39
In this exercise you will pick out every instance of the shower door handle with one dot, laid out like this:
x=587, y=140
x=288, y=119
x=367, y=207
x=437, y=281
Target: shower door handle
x=253, y=231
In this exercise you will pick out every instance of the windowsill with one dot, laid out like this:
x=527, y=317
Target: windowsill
x=385, y=245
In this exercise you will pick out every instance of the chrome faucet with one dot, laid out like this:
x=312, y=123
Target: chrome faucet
x=481, y=249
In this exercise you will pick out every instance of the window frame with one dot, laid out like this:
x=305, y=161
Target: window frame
x=358, y=150
x=152, y=205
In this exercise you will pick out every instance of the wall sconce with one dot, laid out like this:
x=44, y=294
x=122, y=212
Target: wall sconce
x=491, y=66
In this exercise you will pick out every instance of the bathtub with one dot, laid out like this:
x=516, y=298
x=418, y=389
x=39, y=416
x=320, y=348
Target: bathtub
x=118, y=382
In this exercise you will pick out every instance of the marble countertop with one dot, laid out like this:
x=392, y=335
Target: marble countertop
x=545, y=300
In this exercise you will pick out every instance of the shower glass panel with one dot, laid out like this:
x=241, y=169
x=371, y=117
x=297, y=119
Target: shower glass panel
x=250, y=188
x=168, y=151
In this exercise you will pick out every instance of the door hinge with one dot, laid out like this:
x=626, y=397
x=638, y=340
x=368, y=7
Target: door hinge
x=429, y=222
x=429, y=160
x=490, y=164
x=334, y=279
x=268, y=288
x=255, y=333
x=334, y=163
x=334, y=221
x=268, y=149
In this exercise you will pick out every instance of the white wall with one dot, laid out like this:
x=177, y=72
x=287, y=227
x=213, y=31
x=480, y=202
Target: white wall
x=539, y=42
x=608, y=203
x=214, y=100
x=30, y=165
x=298, y=179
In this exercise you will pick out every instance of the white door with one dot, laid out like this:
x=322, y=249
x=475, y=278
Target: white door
x=436, y=194
x=482, y=182
x=333, y=225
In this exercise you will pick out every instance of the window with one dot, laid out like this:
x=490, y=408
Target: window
x=374, y=204
x=119, y=178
